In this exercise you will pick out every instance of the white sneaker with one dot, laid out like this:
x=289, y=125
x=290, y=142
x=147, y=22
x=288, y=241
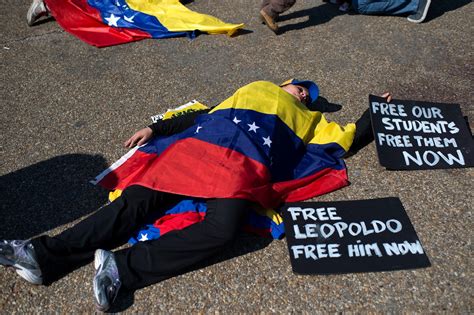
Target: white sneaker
x=421, y=13
x=21, y=256
x=106, y=279
x=37, y=10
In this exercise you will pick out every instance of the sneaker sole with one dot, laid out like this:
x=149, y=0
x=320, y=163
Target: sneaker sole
x=30, y=19
x=423, y=16
x=98, y=258
x=99, y=307
x=98, y=262
x=22, y=271
x=28, y=275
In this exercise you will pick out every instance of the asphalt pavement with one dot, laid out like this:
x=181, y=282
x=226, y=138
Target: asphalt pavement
x=67, y=108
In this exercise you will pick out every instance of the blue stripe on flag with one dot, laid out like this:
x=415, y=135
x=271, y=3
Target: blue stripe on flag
x=250, y=133
x=117, y=13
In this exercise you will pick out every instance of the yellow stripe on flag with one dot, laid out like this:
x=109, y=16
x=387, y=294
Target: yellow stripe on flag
x=114, y=194
x=330, y=132
x=269, y=213
x=310, y=126
x=177, y=18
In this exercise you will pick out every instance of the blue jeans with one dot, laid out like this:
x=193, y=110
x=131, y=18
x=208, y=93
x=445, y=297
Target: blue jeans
x=385, y=7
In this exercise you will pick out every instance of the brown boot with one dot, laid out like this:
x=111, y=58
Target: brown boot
x=269, y=21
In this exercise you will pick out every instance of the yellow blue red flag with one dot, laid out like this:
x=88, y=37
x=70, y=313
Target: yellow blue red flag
x=111, y=22
x=260, y=144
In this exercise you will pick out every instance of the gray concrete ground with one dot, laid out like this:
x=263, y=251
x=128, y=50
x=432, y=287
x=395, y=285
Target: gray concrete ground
x=67, y=108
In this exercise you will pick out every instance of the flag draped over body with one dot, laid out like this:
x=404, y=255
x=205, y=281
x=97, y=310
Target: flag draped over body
x=260, y=144
x=111, y=22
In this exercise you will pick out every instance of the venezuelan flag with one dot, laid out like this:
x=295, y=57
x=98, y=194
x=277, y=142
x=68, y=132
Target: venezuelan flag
x=260, y=144
x=266, y=223
x=104, y=23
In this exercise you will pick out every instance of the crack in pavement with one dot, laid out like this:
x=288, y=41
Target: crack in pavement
x=16, y=40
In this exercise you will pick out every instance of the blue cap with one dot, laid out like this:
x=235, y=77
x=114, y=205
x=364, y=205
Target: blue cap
x=313, y=89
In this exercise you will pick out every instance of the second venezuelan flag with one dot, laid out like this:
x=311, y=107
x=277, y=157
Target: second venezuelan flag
x=104, y=23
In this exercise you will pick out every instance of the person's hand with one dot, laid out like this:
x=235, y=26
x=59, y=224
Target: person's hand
x=388, y=96
x=140, y=137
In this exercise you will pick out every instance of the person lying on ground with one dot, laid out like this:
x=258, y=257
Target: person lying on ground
x=260, y=146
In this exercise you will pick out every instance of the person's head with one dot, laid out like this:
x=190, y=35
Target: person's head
x=304, y=91
x=300, y=92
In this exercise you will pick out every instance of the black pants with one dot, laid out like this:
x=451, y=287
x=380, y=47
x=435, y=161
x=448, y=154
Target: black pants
x=147, y=262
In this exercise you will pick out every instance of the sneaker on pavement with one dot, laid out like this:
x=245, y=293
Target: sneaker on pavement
x=421, y=13
x=269, y=21
x=21, y=256
x=106, y=279
x=37, y=10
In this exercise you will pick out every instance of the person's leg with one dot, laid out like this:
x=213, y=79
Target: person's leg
x=109, y=227
x=276, y=7
x=385, y=7
x=149, y=262
x=270, y=10
x=264, y=3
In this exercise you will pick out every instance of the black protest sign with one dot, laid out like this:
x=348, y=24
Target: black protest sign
x=413, y=135
x=351, y=236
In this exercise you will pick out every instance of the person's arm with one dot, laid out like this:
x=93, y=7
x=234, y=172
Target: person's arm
x=165, y=127
x=168, y=127
x=364, y=134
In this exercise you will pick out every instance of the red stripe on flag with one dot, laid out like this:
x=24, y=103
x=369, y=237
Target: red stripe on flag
x=178, y=221
x=80, y=19
x=121, y=177
x=317, y=184
x=196, y=168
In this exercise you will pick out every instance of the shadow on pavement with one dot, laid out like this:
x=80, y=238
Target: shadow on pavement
x=44, y=21
x=440, y=7
x=324, y=106
x=49, y=194
x=316, y=16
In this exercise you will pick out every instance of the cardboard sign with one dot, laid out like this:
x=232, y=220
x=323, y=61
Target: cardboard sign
x=351, y=236
x=413, y=135
x=189, y=107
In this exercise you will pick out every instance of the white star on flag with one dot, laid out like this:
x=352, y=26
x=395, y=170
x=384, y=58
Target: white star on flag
x=143, y=237
x=129, y=19
x=236, y=121
x=113, y=20
x=253, y=127
x=267, y=141
x=197, y=129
